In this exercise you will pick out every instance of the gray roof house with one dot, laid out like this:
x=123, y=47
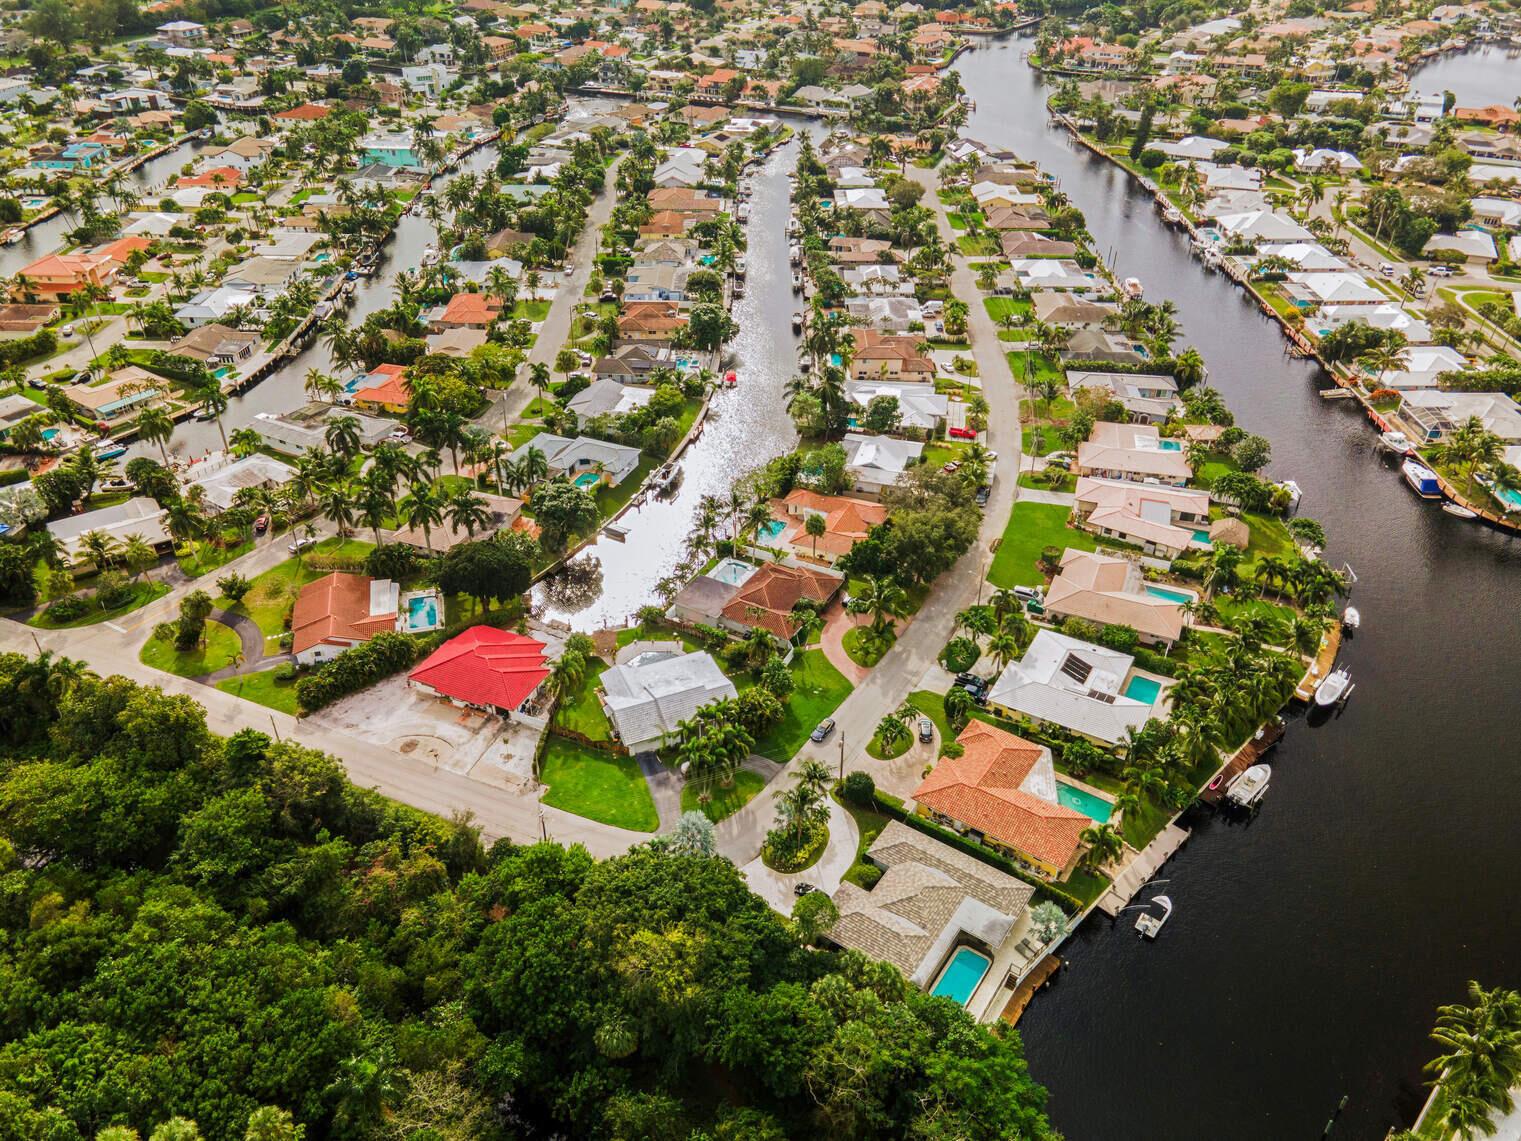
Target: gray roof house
x=570, y=457
x=1148, y=399
x=136, y=516
x=875, y=462
x=647, y=698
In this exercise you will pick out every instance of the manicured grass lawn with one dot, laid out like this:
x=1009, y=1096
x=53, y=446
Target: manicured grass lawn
x=1032, y=527
x=1212, y=469
x=932, y=705
x=263, y=689
x=1087, y=886
x=274, y=591
x=221, y=645
x=866, y=648
x=876, y=749
x=818, y=690
x=530, y=310
x=1039, y=365
x=1269, y=536
x=722, y=802
x=1000, y=307
x=597, y=785
x=582, y=712
x=143, y=593
x=203, y=558
x=869, y=824
x=1233, y=609
x=1037, y=482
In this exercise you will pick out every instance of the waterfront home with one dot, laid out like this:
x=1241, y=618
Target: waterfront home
x=1077, y=685
x=869, y=201
x=604, y=395
x=1020, y=244
x=266, y=277
x=1050, y=273
x=391, y=149
x=635, y=361
x=887, y=278
x=1134, y=452
x=1477, y=247
x=72, y=157
x=1386, y=316
x=658, y=282
x=339, y=611
x=136, y=516
x=59, y=276
x=213, y=305
x=952, y=924
x=844, y=250
x=1000, y=218
x=1421, y=368
x=221, y=475
x=1002, y=792
x=1071, y=312
x=1191, y=148
x=583, y=456
x=383, y=389
x=242, y=154
x=1308, y=289
x=846, y=522
x=484, y=668
x=1101, y=345
x=465, y=311
x=1111, y=591
x=1148, y=398
x=503, y=513
x=650, y=322
x=766, y=598
x=887, y=314
x=1306, y=257
x=1501, y=213
x=121, y=394
x=1323, y=159
x=876, y=462
x=648, y=698
x=682, y=166
x=920, y=407
x=1162, y=520
x=1264, y=226
x=293, y=433
x=684, y=200
x=1434, y=415
x=885, y=356
x=13, y=410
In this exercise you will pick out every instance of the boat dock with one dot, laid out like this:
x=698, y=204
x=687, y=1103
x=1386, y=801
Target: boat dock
x=1025, y=991
x=1325, y=658
x=1246, y=756
x=1138, y=871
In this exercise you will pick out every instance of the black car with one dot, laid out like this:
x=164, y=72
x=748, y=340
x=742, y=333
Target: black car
x=983, y=493
x=804, y=889
x=926, y=730
x=821, y=733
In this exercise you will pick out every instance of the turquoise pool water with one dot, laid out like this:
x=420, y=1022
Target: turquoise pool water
x=1201, y=536
x=587, y=480
x=771, y=528
x=1170, y=595
x=732, y=571
x=50, y=433
x=961, y=975
x=1170, y=445
x=1095, y=808
x=1143, y=689
x=422, y=612
x=1511, y=499
x=224, y=371
x=322, y=257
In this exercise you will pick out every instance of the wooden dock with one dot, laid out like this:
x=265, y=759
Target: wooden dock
x=1025, y=991
x=1325, y=658
x=1246, y=756
x=1138, y=870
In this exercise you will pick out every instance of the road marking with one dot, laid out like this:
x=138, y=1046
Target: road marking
x=114, y=626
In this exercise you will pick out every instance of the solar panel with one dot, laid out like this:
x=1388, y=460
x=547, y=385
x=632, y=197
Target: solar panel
x=1076, y=668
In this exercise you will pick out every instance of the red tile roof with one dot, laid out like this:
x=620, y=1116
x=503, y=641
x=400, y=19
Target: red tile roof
x=393, y=390
x=336, y=608
x=981, y=789
x=218, y=176
x=471, y=309
x=485, y=666
x=307, y=112
x=767, y=597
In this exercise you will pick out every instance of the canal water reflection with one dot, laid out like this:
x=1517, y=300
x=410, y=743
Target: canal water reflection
x=746, y=426
x=1310, y=946
x=1479, y=77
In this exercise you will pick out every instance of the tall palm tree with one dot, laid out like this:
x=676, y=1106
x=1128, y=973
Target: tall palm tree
x=883, y=599
x=422, y=507
x=338, y=508
x=156, y=427
x=1481, y=1048
x=342, y=436
x=374, y=504
x=467, y=512
x=1103, y=845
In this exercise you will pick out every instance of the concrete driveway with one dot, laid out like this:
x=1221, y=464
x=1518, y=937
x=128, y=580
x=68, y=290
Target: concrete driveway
x=779, y=889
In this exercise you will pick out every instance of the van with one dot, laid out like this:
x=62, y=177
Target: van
x=1026, y=593
x=1387, y=269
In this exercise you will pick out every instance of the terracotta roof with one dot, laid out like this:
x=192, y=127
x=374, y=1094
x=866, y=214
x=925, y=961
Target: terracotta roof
x=392, y=390
x=485, y=666
x=217, y=176
x=471, y=309
x=336, y=608
x=767, y=597
x=307, y=112
x=846, y=520
x=981, y=788
x=123, y=248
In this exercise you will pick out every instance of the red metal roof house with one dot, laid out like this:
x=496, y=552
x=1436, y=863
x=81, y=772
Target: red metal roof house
x=484, y=667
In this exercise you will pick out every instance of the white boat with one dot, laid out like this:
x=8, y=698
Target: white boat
x=1132, y=287
x=1459, y=510
x=1247, y=789
x=797, y=322
x=797, y=283
x=1332, y=689
x=1148, y=924
x=13, y=236
x=1397, y=442
x=1350, y=618
x=615, y=531
x=1422, y=480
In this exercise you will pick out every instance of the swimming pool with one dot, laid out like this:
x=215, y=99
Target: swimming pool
x=1201, y=536
x=587, y=480
x=50, y=433
x=322, y=257
x=1095, y=808
x=960, y=976
x=732, y=571
x=420, y=612
x=770, y=529
x=1143, y=689
x=1170, y=445
x=1170, y=595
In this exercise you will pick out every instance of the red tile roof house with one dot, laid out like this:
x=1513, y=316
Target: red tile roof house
x=767, y=597
x=59, y=275
x=466, y=311
x=1002, y=791
x=218, y=178
x=339, y=611
x=484, y=668
x=846, y=522
x=306, y=113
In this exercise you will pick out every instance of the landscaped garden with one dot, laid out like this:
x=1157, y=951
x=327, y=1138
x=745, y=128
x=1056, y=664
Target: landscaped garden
x=267, y=687
x=866, y=646
x=218, y=646
x=273, y=594
x=717, y=801
x=818, y=690
x=136, y=594
x=599, y=786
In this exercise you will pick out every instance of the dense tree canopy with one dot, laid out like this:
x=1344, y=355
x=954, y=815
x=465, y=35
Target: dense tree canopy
x=226, y=929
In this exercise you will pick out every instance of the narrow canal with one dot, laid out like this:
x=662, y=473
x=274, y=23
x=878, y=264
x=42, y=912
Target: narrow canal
x=1310, y=946
x=745, y=427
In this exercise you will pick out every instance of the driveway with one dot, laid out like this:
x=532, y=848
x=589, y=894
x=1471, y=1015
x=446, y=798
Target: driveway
x=779, y=889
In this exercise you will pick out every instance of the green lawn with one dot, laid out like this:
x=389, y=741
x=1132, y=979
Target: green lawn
x=1032, y=527
x=221, y=645
x=599, y=786
x=530, y=310
x=581, y=712
x=1087, y=886
x=1039, y=365
x=819, y=688
x=1038, y=482
x=722, y=802
x=263, y=689
x=865, y=647
x=203, y=558
x=1269, y=536
x=932, y=705
x=1212, y=469
x=144, y=592
x=869, y=825
x=1000, y=307
x=881, y=752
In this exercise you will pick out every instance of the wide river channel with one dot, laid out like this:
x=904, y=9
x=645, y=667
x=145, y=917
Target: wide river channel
x=1310, y=947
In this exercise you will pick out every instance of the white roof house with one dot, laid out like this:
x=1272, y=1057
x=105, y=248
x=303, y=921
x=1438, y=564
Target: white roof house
x=648, y=697
x=1075, y=684
x=1266, y=226
x=1322, y=158
x=1334, y=289
x=1191, y=147
x=1149, y=399
x=136, y=516
x=1388, y=316
x=920, y=405
x=1475, y=245
x=875, y=462
x=583, y=453
x=1504, y=212
x=214, y=304
x=862, y=198
x=1051, y=273
x=1308, y=257
x=223, y=476
x=1438, y=413
x=1422, y=365
x=683, y=166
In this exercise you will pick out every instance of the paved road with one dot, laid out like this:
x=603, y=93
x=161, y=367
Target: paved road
x=899, y=672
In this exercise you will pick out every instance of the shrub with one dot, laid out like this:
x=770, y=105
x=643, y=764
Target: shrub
x=234, y=586
x=353, y=670
x=858, y=788
x=1122, y=638
x=390, y=560
x=960, y=654
x=1151, y=159
x=114, y=590
x=865, y=876
x=68, y=609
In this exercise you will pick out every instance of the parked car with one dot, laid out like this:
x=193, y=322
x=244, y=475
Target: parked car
x=400, y=436
x=66, y=331
x=962, y=433
x=803, y=889
x=1026, y=593
x=1386, y=268
x=950, y=466
x=301, y=544
x=1441, y=271
x=116, y=483
x=983, y=494
x=821, y=732
x=926, y=730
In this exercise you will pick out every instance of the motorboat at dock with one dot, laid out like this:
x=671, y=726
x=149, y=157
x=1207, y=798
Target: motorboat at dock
x=1248, y=788
x=1334, y=688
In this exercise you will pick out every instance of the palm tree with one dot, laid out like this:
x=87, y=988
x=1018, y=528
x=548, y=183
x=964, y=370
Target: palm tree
x=374, y=504
x=156, y=426
x=1104, y=844
x=535, y=466
x=319, y=384
x=890, y=731
x=137, y=554
x=1384, y=356
x=101, y=546
x=467, y=512
x=1003, y=647
x=883, y=599
x=342, y=436
x=338, y=508
x=1481, y=1052
x=423, y=507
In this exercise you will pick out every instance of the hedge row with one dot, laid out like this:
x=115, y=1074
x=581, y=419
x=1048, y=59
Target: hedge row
x=384, y=654
x=890, y=805
x=39, y=344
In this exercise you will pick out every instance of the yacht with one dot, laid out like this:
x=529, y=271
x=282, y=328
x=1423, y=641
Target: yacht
x=1333, y=688
x=1148, y=924
x=1422, y=480
x=1247, y=789
x=1133, y=287
x=1351, y=619
x=797, y=283
x=797, y=322
x=1397, y=442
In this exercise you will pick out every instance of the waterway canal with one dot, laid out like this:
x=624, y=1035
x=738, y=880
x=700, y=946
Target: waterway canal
x=745, y=427
x=1309, y=947
x=1481, y=76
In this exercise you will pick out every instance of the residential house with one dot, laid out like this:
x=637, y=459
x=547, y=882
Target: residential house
x=182, y=33
x=1435, y=415
x=1101, y=345
x=221, y=475
x=766, y=598
x=1147, y=398
x=1163, y=521
x=886, y=314
x=120, y=394
x=294, y=433
x=503, y=513
x=648, y=698
x=339, y=611
x=383, y=388
x=659, y=282
x=1002, y=791
x=136, y=516
x=1423, y=365
x=1132, y=452
x=605, y=395
x=215, y=344
x=465, y=311
x=877, y=462
x=391, y=149
x=213, y=305
x=634, y=362
x=59, y=276
x=1111, y=591
x=920, y=407
x=1071, y=312
x=263, y=276
x=884, y=356
x=1477, y=247
x=484, y=668
x=1074, y=684
x=573, y=457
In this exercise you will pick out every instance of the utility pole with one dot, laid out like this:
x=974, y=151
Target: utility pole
x=842, y=754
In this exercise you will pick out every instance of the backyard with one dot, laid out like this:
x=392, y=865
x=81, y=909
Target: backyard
x=599, y=786
x=1033, y=527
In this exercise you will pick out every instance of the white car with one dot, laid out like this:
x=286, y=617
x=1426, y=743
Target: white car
x=1441, y=271
x=400, y=436
x=301, y=544
x=66, y=331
